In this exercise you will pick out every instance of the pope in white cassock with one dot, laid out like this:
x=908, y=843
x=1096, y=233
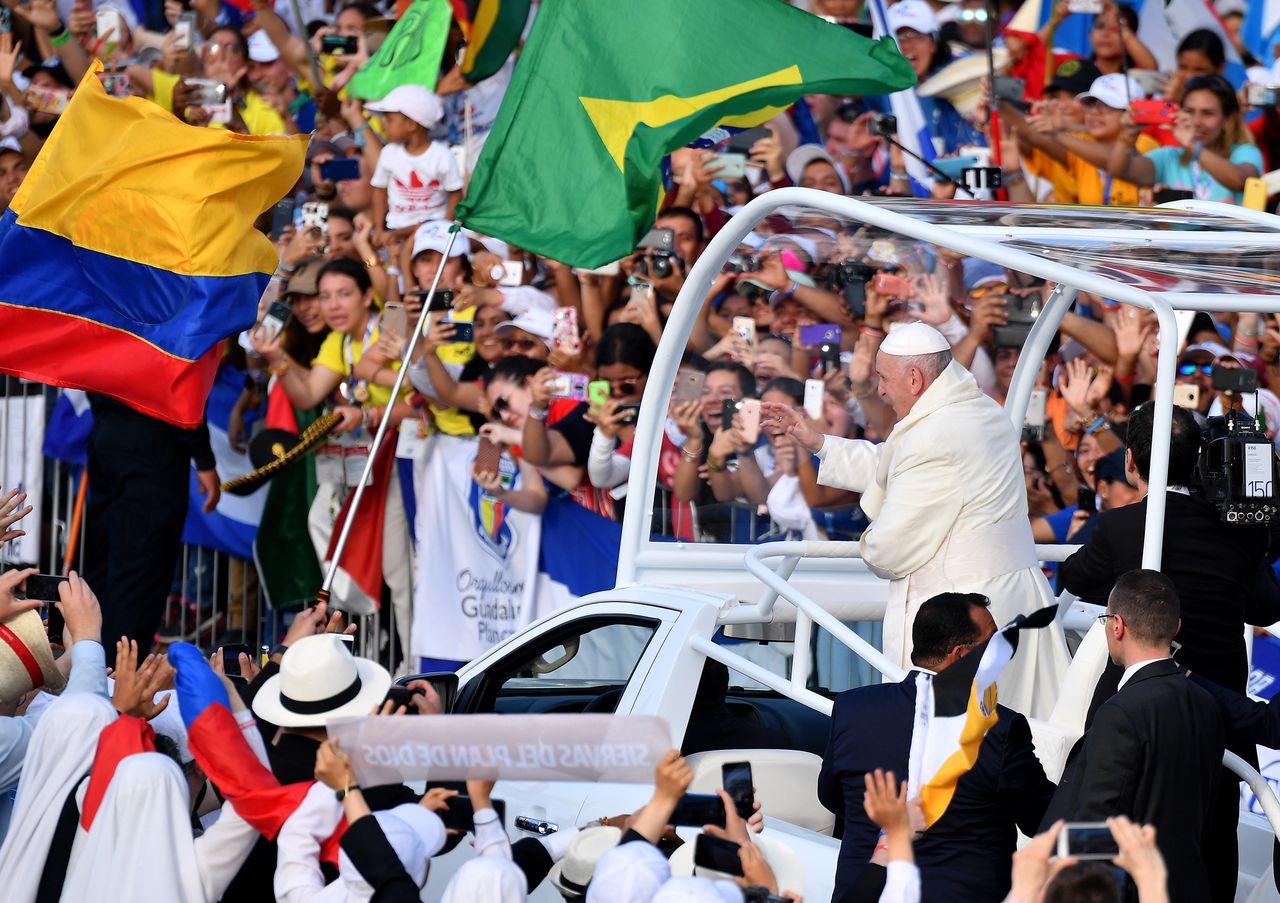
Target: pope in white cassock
x=947, y=500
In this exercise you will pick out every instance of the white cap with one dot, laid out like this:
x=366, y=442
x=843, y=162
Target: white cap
x=1226, y=8
x=805, y=154
x=433, y=235
x=535, y=321
x=261, y=50
x=489, y=243
x=10, y=144
x=1110, y=90
x=914, y=14
x=413, y=101
x=910, y=339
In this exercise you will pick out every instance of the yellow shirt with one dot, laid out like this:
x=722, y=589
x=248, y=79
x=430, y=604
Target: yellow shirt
x=452, y=421
x=1041, y=164
x=1090, y=182
x=258, y=115
x=333, y=355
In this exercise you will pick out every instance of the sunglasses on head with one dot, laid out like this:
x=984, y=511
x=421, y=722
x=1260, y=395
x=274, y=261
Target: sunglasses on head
x=991, y=288
x=1191, y=368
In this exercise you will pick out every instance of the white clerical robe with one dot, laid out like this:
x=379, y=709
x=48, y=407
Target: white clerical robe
x=948, y=506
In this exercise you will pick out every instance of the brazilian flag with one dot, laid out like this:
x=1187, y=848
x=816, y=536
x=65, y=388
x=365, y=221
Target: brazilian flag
x=604, y=89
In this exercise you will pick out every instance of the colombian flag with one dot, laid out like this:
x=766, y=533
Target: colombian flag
x=129, y=252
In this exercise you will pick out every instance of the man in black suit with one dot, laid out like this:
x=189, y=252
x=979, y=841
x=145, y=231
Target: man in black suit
x=1155, y=748
x=1222, y=577
x=964, y=856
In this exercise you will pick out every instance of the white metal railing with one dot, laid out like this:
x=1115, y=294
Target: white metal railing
x=1258, y=784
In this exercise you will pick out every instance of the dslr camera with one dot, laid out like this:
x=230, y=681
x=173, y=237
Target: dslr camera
x=741, y=263
x=1237, y=471
x=1021, y=313
x=883, y=125
x=849, y=278
x=658, y=257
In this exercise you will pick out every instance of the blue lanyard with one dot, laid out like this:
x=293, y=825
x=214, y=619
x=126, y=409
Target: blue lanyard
x=1106, y=190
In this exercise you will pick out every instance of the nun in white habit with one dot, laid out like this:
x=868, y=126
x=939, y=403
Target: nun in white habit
x=947, y=500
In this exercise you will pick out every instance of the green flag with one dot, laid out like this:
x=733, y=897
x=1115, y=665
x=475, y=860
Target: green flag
x=411, y=53
x=605, y=88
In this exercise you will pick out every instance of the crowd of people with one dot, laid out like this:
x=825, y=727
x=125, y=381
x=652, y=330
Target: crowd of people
x=523, y=393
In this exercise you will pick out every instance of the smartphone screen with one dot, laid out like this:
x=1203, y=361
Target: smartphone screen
x=717, y=854
x=231, y=658
x=1087, y=840
x=736, y=779
x=698, y=809
x=342, y=169
x=43, y=587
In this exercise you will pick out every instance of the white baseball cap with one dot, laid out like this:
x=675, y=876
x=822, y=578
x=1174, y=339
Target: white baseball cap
x=261, y=50
x=414, y=101
x=799, y=159
x=433, y=235
x=1111, y=90
x=536, y=321
x=914, y=14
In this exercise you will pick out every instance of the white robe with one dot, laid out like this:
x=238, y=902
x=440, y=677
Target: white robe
x=948, y=506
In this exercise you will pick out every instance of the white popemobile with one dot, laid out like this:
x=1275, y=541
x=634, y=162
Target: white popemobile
x=640, y=648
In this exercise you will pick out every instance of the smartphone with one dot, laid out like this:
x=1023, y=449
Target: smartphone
x=184, y=31
x=275, y=318
x=641, y=293
x=463, y=330
x=569, y=385
x=732, y=166
x=689, y=385
x=1166, y=195
x=110, y=24
x=1086, y=7
x=1087, y=840
x=1033, y=424
x=1087, y=500
x=819, y=334
x=717, y=854
x=728, y=410
x=742, y=142
x=659, y=240
x=441, y=301
x=43, y=587
x=1153, y=112
x=48, y=100
x=746, y=327
x=829, y=358
x=488, y=455
x=231, y=657
x=749, y=414
x=281, y=216
x=395, y=319
x=598, y=392
x=1009, y=89
x=6, y=20
x=512, y=274
x=1237, y=380
x=340, y=169
x=564, y=334
x=891, y=286
x=1261, y=95
x=628, y=414
x=735, y=778
x=1255, y=194
x=117, y=84
x=403, y=696
x=698, y=809
x=814, y=396
x=315, y=215
x=1186, y=396
x=338, y=45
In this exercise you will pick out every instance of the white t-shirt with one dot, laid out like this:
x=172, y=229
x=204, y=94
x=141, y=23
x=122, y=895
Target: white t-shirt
x=417, y=186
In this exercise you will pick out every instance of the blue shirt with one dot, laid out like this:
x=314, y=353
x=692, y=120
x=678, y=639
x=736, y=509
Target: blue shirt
x=1171, y=171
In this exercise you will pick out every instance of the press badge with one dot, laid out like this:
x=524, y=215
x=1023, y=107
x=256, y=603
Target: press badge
x=329, y=464
x=412, y=443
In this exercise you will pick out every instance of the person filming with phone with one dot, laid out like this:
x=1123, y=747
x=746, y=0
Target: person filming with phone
x=947, y=500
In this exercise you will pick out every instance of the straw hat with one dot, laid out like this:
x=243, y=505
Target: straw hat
x=572, y=874
x=26, y=661
x=960, y=82
x=273, y=450
x=320, y=680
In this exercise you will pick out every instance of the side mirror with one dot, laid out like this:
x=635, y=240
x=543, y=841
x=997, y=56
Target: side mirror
x=445, y=683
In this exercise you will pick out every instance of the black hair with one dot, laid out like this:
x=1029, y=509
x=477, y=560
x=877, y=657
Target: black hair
x=241, y=41
x=792, y=388
x=368, y=10
x=516, y=369
x=746, y=380
x=1219, y=87
x=343, y=213
x=1084, y=882
x=713, y=686
x=626, y=343
x=1147, y=601
x=54, y=71
x=694, y=361
x=345, y=266
x=690, y=215
x=1202, y=40
x=943, y=623
x=1184, y=442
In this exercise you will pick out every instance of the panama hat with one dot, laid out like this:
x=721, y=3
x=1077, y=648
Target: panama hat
x=320, y=680
x=572, y=874
x=26, y=661
x=960, y=82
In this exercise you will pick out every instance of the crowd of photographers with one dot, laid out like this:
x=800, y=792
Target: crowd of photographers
x=540, y=368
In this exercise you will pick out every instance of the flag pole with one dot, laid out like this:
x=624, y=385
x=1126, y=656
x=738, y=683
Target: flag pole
x=327, y=585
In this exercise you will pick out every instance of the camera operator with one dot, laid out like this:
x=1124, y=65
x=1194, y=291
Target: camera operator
x=1222, y=578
